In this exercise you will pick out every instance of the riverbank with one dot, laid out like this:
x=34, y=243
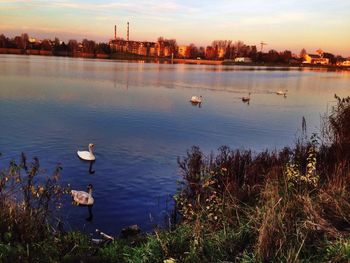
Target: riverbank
x=165, y=60
x=289, y=205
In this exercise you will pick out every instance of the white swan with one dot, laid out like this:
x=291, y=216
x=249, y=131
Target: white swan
x=246, y=99
x=281, y=92
x=83, y=198
x=87, y=155
x=196, y=99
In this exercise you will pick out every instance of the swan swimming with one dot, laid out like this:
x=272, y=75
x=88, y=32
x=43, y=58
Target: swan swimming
x=82, y=197
x=87, y=155
x=196, y=99
x=281, y=92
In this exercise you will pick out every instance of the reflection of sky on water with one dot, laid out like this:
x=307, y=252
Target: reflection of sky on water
x=139, y=117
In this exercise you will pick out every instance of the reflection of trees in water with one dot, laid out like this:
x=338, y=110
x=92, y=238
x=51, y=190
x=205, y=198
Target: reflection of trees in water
x=126, y=75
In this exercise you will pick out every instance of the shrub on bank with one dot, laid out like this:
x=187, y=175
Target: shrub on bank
x=293, y=202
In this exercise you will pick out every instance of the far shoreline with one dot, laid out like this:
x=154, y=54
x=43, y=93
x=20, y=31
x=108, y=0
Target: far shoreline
x=165, y=60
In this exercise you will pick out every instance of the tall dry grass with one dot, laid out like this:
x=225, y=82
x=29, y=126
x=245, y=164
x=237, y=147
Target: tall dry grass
x=28, y=202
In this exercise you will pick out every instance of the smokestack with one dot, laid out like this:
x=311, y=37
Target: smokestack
x=115, y=31
x=127, y=35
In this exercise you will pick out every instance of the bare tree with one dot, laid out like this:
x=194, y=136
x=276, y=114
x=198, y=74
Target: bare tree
x=239, y=48
x=73, y=46
x=25, y=40
x=89, y=46
x=303, y=53
x=3, y=41
x=286, y=56
x=192, y=51
x=46, y=45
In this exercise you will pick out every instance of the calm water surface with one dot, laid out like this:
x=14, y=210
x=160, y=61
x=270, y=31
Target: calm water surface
x=140, y=120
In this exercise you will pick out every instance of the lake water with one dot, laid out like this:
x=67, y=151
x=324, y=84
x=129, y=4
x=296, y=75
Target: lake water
x=139, y=117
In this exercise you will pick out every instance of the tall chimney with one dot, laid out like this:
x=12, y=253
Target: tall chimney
x=115, y=32
x=127, y=35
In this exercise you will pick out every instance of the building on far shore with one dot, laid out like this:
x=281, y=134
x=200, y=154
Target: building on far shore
x=316, y=59
x=345, y=63
x=221, y=52
x=161, y=48
x=33, y=40
x=164, y=48
x=243, y=60
x=133, y=47
x=182, y=51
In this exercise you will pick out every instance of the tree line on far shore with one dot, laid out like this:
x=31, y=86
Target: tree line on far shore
x=218, y=50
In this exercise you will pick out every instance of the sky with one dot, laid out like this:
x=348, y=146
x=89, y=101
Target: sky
x=282, y=24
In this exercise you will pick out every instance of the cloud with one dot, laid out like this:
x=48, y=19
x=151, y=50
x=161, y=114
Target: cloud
x=280, y=18
x=153, y=7
x=186, y=20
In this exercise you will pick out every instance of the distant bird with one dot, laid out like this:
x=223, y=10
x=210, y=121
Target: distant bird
x=83, y=198
x=196, y=99
x=87, y=155
x=281, y=92
x=246, y=99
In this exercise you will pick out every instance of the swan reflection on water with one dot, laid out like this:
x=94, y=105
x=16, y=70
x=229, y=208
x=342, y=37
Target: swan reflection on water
x=90, y=167
x=195, y=104
x=90, y=217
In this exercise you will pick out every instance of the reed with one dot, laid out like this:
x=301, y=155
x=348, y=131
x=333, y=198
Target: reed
x=292, y=200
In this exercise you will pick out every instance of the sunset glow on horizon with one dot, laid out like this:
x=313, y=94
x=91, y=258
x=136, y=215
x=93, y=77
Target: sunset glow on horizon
x=291, y=24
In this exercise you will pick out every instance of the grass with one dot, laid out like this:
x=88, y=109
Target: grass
x=291, y=205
